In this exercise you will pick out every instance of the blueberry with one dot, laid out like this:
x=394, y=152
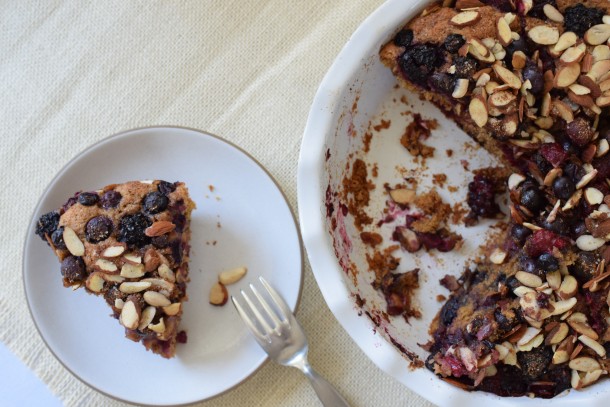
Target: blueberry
x=155, y=202
x=442, y=82
x=465, y=67
x=520, y=233
x=453, y=43
x=528, y=265
x=579, y=131
x=548, y=262
x=57, y=237
x=111, y=199
x=88, y=198
x=403, y=38
x=535, y=76
x=563, y=187
x=47, y=224
x=131, y=229
x=73, y=269
x=166, y=188
x=533, y=199
x=98, y=229
x=579, y=18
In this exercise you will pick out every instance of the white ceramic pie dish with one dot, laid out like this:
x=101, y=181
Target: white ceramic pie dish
x=356, y=93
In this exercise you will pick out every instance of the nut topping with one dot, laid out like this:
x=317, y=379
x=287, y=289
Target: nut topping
x=130, y=287
x=598, y=34
x=599, y=349
x=478, y=111
x=106, y=265
x=156, y=299
x=507, y=76
x=132, y=270
x=159, y=228
x=402, y=196
x=544, y=35
x=73, y=243
x=218, y=294
x=172, y=309
x=113, y=251
x=584, y=364
x=552, y=13
x=232, y=276
x=146, y=318
x=567, y=75
x=528, y=279
x=130, y=315
x=159, y=327
x=557, y=334
x=461, y=88
x=503, y=31
x=95, y=282
x=465, y=18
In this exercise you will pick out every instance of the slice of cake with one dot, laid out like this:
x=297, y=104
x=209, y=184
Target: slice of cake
x=529, y=80
x=130, y=244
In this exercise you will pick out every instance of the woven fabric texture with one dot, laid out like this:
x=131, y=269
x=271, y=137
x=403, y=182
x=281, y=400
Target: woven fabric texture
x=74, y=72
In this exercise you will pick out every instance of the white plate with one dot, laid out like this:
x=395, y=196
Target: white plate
x=243, y=220
x=357, y=91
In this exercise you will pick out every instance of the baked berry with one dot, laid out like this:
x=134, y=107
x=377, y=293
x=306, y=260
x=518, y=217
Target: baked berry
x=528, y=265
x=554, y=153
x=98, y=229
x=442, y=82
x=155, y=202
x=449, y=311
x=537, y=9
x=403, y=38
x=465, y=67
x=547, y=262
x=502, y=5
x=73, y=269
x=166, y=188
x=160, y=242
x=131, y=229
x=535, y=362
x=47, y=224
x=418, y=61
x=532, y=73
x=88, y=198
x=533, y=199
x=579, y=132
x=481, y=197
x=516, y=45
x=453, y=43
x=519, y=233
x=111, y=199
x=579, y=18
x=563, y=188
x=57, y=237
x=542, y=163
x=69, y=203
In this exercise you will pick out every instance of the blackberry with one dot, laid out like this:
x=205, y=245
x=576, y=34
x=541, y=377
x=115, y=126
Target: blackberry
x=166, y=188
x=88, y=198
x=579, y=18
x=453, y=43
x=57, y=237
x=155, y=202
x=481, y=197
x=47, y=224
x=403, y=38
x=418, y=61
x=73, y=269
x=111, y=199
x=442, y=82
x=465, y=67
x=131, y=229
x=98, y=229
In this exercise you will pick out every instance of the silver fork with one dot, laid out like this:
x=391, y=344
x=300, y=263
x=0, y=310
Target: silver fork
x=280, y=335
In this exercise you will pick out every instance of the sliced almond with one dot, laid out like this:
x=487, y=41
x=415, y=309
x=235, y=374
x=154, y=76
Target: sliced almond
x=514, y=180
x=552, y=13
x=519, y=60
x=132, y=270
x=598, y=34
x=146, y=318
x=528, y=279
x=113, y=278
x=403, y=196
x=584, y=364
x=232, y=276
x=159, y=327
x=568, y=288
x=579, y=89
x=113, y=251
x=95, y=282
x=159, y=228
x=503, y=32
x=602, y=147
x=594, y=196
x=589, y=243
x=166, y=273
x=598, y=70
x=578, y=322
x=522, y=290
x=567, y=75
x=478, y=111
x=461, y=88
x=562, y=110
x=544, y=35
x=553, y=278
x=151, y=260
x=156, y=299
x=106, y=265
x=497, y=256
x=132, y=258
x=596, y=346
x=130, y=315
x=557, y=334
x=561, y=307
x=159, y=283
x=603, y=101
x=172, y=309
x=218, y=294
x=501, y=99
x=130, y=287
x=588, y=177
x=118, y=303
x=600, y=53
x=507, y=76
x=573, y=54
x=73, y=243
x=465, y=18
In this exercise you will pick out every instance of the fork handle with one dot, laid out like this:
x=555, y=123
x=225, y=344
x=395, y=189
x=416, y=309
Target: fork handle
x=328, y=395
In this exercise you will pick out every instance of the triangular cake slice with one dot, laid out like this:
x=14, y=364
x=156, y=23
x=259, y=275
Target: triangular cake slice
x=130, y=244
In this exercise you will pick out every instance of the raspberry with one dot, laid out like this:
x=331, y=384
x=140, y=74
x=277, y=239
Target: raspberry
x=543, y=241
x=553, y=153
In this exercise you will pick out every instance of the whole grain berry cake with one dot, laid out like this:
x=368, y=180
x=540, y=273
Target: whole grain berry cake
x=130, y=244
x=530, y=81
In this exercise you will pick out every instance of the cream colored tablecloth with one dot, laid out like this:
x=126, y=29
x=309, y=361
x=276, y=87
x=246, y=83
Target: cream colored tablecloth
x=74, y=72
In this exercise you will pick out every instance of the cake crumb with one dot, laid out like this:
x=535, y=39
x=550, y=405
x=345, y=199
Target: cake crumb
x=441, y=298
x=434, y=208
x=358, y=187
x=419, y=129
x=439, y=179
x=385, y=124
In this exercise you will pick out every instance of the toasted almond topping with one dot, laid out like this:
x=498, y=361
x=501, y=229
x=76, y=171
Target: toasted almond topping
x=95, y=282
x=594, y=196
x=552, y=13
x=172, y=309
x=589, y=243
x=461, y=88
x=403, y=196
x=159, y=228
x=232, y=276
x=503, y=31
x=507, y=76
x=600, y=53
x=118, y=303
x=563, y=306
x=159, y=283
x=528, y=279
x=573, y=54
x=497, y=256
x=519, y=60
x=73, y=243
x=560, y=356
x=602, y=147
x=606, y=19
x=129, y=315
x=159, y=327
x=218, y=294
x=567, y=75
x=113, y=251
x=568, y=288
x=501, y=99
x=132, y=258
x=598, y=34
x=603, y=101
x=579, y=89
x=166, y=273
x=551, y=176
x=483, y=79
x=557, y=334
x=465, y=18
x=106, y=265
x=588, y=177
x=597, y=348
x=530, y=333
x=598, y=70
x=146, y=318
x=584, y=364
x=478, y=111
x=544, y=35
x=515, y=180
x=480, y=51
x=113, y=278
x=562, y=110
x=554, y=279
x=573, y=201
x=130, y=287
x=132, y=270
x=151, y=260
x=582, y=327
x=156, y=299
x=522, y=290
